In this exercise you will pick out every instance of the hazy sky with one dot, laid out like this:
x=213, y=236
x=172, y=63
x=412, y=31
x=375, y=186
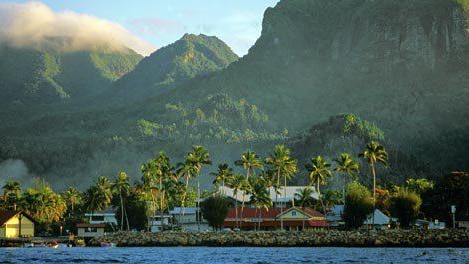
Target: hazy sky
x=161, y=22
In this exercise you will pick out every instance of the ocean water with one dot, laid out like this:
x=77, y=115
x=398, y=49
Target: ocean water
x=233, y=255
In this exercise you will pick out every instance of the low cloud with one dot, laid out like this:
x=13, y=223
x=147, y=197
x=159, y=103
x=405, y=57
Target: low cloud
x=35, y=25
x=14, y=169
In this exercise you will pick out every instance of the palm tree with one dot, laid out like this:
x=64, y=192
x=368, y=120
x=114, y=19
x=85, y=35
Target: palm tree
x=192, y=166
x=249, y=161
x=163, y=175
x=11, y=189
x=224, y=172
x=260, y=197
x=98, y=196
x=305, y=199
x=121, y=186
x=282, y=163
x=236, y=182
x=72, y=197
x=348, y=166
x=318, y=174
x=374, y=153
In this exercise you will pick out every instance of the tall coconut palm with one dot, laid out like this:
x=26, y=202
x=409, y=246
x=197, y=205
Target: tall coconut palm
x=282, y=163
x=250, y=162
x=148, y=187
x=192, y=166
x=72, y=197
x=348, y=166
x=11, y=191
x=374, y=153
x=318, y=174
x=236, y=182
x=304, y=196
x=98, y=196
x=224, y=172
x=121, y=187
x=163, y=175
x=260, y=197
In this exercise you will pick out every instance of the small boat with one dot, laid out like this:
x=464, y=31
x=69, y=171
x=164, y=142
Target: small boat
x=107, y=244
x=53, y=245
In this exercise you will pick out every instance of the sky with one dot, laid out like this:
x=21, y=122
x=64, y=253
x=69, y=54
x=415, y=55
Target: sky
x=161, y=22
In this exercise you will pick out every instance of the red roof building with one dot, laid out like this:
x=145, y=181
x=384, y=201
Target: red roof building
x=294, y=218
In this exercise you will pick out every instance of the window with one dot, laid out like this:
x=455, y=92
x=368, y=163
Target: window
x=91, y=230
x=293, y=213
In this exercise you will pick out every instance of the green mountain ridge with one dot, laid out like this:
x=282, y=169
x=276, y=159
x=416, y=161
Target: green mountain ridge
x=33, y=77
x=168, y=67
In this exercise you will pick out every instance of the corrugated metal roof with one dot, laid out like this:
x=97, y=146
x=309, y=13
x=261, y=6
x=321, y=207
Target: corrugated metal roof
x=281, y=196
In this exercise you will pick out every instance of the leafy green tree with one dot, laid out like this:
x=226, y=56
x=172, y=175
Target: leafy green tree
x=358, y=205
x=419, y=186
x=406, y=206
x=135, y=209
x=374, y=153
x=318, y=173
x=282, y=163
x=332, y=198
x=348, y=167
x=249, y=161
x=121, y=187
x=214, y=210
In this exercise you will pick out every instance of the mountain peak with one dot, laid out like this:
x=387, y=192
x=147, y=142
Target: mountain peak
x=189, y=57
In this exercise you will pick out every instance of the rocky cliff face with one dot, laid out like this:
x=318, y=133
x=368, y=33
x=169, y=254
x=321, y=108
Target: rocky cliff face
x=400, y=64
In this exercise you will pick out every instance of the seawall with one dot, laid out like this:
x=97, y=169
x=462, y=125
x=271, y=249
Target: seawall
x=325, y=238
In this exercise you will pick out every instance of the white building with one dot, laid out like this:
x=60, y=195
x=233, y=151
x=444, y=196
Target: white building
x=107, y=216
x=187, y=218
x=278, y=198
x=156, y=223
x=382, y=221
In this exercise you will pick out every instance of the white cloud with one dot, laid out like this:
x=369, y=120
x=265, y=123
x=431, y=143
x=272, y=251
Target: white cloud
x=35, y=25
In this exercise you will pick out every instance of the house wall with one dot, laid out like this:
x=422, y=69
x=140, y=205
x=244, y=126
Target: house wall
x=291, y=215
x=2, y=232
x=11, y=229
x=84, y=232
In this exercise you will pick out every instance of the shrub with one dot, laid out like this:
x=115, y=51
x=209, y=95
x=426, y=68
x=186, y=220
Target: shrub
x=358, y=205
x=406, y=207
x=214, y=210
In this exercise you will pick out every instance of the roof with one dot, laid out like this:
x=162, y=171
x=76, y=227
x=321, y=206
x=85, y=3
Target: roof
x=290, y=193
x=272, y=213
x=187, y=210
x=380, y=218
x=86, y=225
x=272, y=223
x=7, y=215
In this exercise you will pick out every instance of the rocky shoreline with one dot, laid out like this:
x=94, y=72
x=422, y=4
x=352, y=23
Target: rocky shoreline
x=323, y=238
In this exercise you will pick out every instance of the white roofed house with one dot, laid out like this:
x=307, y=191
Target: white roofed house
x=107, y=216
x=278, y=199
x=188, y=217
x=382, y=221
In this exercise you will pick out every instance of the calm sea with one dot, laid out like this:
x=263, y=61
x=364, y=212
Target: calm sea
x=233, y=255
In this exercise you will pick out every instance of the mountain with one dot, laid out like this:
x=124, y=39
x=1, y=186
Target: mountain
x=32, y=77
x=168, y=67
x=400, y=64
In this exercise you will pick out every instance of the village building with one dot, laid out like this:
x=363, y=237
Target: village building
x=381, y=220
x=88, y=230
x=14, y=224
x=334, y=216
x=107, y=216
x=189, y=218
x=156, y=224
x=294, y=219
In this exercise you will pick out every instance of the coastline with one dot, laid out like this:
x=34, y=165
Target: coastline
x=323, y=238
